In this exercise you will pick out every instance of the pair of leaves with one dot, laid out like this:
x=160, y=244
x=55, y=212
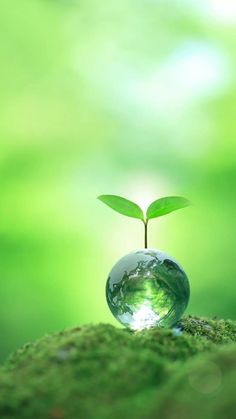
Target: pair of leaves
x=157, y=208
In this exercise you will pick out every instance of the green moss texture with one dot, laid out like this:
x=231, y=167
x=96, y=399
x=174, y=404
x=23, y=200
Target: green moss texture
x=101, y=372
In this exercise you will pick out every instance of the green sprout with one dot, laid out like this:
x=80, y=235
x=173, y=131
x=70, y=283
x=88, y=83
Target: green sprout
x=156, y=209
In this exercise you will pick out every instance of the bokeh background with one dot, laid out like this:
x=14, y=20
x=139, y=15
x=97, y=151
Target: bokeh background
x=136, y=98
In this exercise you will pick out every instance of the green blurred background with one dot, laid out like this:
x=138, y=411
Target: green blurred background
x=136, y=98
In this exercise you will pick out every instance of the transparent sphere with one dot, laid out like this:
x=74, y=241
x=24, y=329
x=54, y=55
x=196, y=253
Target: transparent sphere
x=147, y=288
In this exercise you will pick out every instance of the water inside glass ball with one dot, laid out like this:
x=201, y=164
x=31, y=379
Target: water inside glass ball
x=147, y=288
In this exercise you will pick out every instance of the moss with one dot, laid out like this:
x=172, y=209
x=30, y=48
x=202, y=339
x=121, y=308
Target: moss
x=100, y=372
x=203, y=388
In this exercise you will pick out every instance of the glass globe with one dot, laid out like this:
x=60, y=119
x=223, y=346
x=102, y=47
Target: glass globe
x=147, y=288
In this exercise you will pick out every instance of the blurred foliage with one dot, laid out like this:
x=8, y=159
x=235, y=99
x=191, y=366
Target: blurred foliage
x=131, y=98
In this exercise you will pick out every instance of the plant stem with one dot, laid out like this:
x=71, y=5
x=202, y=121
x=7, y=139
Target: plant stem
x=145, y=234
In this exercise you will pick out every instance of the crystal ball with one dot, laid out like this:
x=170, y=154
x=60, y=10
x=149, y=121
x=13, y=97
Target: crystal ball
x=147, y=288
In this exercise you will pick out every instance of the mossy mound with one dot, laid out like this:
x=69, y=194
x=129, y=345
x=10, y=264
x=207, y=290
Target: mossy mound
x=100, y=372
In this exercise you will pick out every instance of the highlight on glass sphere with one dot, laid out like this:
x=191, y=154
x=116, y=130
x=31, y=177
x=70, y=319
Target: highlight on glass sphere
x=147, y=288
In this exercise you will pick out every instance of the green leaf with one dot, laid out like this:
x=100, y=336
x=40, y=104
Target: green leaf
x=166, y=205
x=122, y=205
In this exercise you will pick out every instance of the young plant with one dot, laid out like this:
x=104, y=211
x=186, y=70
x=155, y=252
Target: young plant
x=147, y=287
x=156, y=209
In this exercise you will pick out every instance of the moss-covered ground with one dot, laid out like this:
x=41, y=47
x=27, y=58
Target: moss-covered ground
x=101, y=372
